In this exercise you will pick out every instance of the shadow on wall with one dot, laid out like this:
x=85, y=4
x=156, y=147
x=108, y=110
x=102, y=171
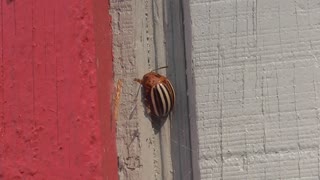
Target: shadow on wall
x=184, y=138
x=156, y=122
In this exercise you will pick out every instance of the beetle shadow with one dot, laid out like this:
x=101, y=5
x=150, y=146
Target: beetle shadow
x=156, y=122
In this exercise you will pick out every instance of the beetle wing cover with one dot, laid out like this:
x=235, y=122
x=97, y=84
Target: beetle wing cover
x=159, y=93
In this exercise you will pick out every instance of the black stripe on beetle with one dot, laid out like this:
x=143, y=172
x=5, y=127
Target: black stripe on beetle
x=160, y=99
x=169, y=86
x=159, y=94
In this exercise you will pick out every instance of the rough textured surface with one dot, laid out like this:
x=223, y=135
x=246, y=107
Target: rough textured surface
x=49, y=114
x=138, y=47
x=181, y=126
x=257, y=79
x=104, y=65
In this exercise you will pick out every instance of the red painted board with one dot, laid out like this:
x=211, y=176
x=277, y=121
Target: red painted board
x=52, y=123
x=103, y=40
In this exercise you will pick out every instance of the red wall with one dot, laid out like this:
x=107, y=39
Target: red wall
x=55, y=119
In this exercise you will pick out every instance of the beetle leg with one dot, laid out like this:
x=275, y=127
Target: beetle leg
x=148, y=110
x=138, y=80
x=147, y=105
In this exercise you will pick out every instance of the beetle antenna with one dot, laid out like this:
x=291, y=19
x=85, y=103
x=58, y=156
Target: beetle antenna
x=160, y=68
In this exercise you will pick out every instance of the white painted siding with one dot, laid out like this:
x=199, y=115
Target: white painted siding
x=257, y=85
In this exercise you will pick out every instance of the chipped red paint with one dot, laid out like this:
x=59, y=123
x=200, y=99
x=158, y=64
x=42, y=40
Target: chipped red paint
x=55, y=117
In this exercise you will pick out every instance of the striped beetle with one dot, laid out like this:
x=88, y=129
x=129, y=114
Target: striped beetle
x=158, y=92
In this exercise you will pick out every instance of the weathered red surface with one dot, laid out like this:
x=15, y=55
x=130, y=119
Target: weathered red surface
x=54, y=104
x=103, y=40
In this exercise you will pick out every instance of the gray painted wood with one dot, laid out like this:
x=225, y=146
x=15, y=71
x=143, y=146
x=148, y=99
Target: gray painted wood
x=181, y=148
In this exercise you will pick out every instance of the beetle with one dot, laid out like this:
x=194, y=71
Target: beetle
x=159, y=93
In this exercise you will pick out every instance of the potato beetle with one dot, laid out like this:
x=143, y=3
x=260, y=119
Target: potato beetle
x=158, y=93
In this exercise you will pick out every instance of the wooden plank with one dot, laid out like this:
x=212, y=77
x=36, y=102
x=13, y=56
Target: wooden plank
x=51, y=116
x=182, y=152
